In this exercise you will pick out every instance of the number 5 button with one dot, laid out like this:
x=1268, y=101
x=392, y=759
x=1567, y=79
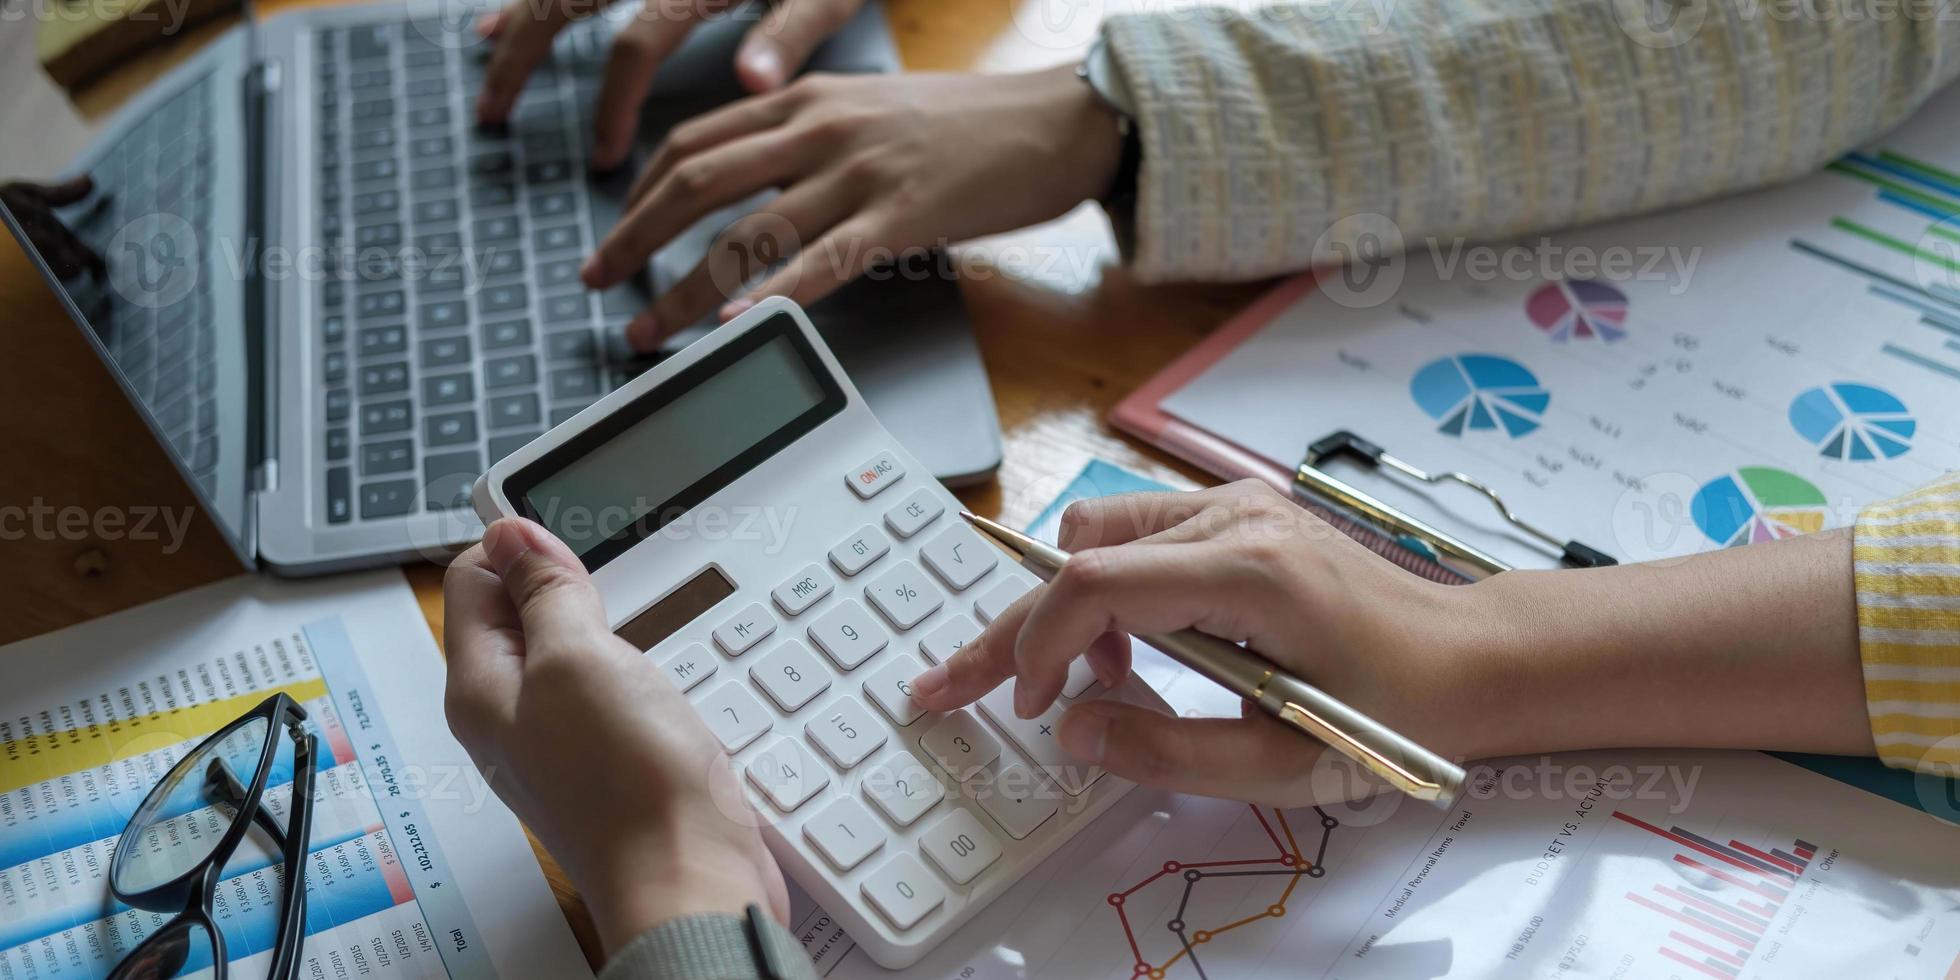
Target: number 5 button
x=960, y=846
x=847, y=733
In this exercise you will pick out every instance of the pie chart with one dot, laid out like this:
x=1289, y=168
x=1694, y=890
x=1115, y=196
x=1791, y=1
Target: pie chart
x=1578, y=309
x=1854, y=422
x=1757, y=503
x=1468, y=392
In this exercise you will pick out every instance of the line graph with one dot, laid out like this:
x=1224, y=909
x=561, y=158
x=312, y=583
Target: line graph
x=1288, y=862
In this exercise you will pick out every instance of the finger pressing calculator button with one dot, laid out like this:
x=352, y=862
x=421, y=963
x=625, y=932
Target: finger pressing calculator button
x=961, y=845
x=960, y=744
x=857, y=552
x=734, y=715
x=846, y=733
x=947, y=638
x=1038, y=739
x=845, y=833
x=848, y=634
x=996, y=600
x=1019, y=800
x=890, y=687
x=802, y=591
x=747, y=629
x=788, y=774
x=1080, y=678
x=875, y=475
x=904, y=595
x=791, y=675
x=914, y=512
x=690, y=666
x=903, y=891
x=959, y=557
x=903, y=787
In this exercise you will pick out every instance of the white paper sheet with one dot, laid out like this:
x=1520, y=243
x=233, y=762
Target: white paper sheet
x=417, y=870
x=1743, y=353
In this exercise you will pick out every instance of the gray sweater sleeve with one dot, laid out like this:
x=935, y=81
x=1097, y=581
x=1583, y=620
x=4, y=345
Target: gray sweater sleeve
x=708, y=946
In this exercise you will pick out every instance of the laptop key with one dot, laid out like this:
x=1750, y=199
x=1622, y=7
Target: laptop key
x=501, y=446
x=375, y=170
x=432, y=212
x=378, y=236
x=333, y=367
x=429, y=117
x=336, y=445
x=340, y=496
x=576, y=382
x=382, y=418
x=422, y=87
x=424, y=59
x=570, y=345
x=431, y=146
x=554, y=204
x=447, y=389
x=499, y=299
x=491, y=195
x=373, y=306
x=370, y=78
x=376, y=202
x=451, y=429
x=443, y=315
x=367, y=42
x=548, y=171
x=558, y=272
x=505, y=372
x=503, y=262
x=447, y=477
x=572, y=308
x=445, y=351
x=555, y=239
x=391, y=498
x=383, y=379
x=383, y=340
x=500, y=229
x=433, y=179
x=339, y=402
x=513, y=410
x=510, y=333
x=393, y=456
x=333, y=330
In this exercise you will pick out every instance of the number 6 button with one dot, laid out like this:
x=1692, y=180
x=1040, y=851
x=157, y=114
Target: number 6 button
x=904, y=891
x=960, y=846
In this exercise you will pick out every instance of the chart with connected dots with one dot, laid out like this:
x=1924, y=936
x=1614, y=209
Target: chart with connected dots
x=1286, y=867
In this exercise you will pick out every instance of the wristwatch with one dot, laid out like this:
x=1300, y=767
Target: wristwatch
x=1098, y=70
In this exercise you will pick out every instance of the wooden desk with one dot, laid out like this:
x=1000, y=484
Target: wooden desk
x=1062, y=349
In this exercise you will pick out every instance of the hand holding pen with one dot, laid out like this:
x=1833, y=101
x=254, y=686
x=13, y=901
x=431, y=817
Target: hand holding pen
x=1244, y=564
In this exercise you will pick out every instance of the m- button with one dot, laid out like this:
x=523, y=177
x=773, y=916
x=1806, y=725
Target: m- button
x=875, y=475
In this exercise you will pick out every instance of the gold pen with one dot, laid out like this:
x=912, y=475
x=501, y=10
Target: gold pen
x=1386, y=753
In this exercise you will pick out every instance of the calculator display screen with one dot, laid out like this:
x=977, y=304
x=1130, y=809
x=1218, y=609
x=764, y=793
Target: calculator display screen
x=648, y=463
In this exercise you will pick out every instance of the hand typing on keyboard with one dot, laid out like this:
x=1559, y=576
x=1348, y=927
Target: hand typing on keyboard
x=601, y=755
x=1244, y=563
x=781, y=41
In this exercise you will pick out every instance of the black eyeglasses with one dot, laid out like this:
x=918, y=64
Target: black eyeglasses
x=173, y=853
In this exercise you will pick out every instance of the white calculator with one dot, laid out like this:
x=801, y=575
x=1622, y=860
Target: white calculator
x=757, y=532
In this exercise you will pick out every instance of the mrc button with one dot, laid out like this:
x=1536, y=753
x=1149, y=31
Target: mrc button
x=876, y=474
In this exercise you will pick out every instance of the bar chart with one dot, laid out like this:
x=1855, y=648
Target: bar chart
x=1721, y=921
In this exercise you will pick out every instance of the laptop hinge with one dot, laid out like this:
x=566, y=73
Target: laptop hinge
x=262, y=83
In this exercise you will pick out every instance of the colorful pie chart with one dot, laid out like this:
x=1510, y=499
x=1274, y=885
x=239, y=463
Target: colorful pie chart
x=1755, y=504
x=1854, y=422
x=1578, y=309
x=1470, y=392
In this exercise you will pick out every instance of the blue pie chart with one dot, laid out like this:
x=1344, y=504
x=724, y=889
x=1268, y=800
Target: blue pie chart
x=1853, y=422
x=1471, y=392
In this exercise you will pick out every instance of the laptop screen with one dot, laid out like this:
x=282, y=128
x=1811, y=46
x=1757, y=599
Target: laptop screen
x=144, y=236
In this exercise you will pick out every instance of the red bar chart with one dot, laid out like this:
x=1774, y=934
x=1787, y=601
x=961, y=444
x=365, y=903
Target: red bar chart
x=1724, y=903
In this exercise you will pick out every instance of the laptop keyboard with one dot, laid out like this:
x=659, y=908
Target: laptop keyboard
x=456, y=329
x=150, y=207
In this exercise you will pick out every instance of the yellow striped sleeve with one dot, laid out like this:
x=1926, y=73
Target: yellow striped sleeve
x=1907, y=557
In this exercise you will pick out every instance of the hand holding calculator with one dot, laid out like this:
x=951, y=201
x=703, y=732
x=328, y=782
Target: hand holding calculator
x=752, y=526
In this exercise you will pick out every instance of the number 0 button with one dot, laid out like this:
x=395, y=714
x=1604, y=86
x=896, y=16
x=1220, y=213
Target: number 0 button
x=904, y=891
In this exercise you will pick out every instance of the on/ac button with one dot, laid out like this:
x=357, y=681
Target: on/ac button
x=874, y=475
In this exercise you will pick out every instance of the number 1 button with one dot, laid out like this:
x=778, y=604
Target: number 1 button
x=845, y=833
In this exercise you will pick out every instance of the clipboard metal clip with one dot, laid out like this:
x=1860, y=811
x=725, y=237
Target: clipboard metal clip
x=1308, y=476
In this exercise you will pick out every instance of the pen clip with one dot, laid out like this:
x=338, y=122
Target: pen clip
x=1398, y=776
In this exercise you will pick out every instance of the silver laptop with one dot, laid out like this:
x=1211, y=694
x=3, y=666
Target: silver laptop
x=337, y=300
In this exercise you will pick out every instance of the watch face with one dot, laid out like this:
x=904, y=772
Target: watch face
x=1099, y=70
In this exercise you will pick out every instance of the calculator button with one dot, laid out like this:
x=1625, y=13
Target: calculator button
x=961, y=845
x=875, y=475
x=947, y=638
x=1080, y=678
x=690, y=666
x=959, y=557
x=858, y=551
x=734, y=715
x=1018, y=800
x=848, y=634
x=996, y=600
x=903, y=787
x=845, y=833
x=846, y=733
x=890, y=688
x=904, y=595
x=903, y=891
x=791, y=675
x=960, y=744
x=803, y=591
x=914, y=512
x=788, y=774
x=747, y=629
x=1038, y=739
